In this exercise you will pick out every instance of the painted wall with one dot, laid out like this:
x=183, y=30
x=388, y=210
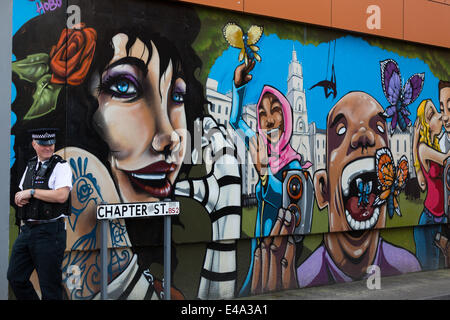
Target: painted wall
x=292, y=151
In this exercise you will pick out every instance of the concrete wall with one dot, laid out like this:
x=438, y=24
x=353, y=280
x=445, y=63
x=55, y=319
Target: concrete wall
x=132, y=108
x=5, y=94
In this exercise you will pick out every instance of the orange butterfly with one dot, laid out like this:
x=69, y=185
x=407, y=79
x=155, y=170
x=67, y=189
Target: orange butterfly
x=391, y=179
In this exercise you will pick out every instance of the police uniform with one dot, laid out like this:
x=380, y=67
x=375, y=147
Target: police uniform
x=42, y=239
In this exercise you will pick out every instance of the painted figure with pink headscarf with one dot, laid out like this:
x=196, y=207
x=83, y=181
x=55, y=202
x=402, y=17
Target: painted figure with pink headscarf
x=270, y=150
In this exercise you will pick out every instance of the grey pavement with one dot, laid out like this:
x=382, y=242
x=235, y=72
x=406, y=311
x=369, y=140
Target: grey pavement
x=425, y=285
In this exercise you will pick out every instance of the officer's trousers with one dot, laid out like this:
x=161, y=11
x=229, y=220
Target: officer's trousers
x=39, y=247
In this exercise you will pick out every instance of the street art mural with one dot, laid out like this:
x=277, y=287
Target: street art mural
x=281, y=185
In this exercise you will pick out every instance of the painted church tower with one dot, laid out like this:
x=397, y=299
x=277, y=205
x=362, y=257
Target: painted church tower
x=297, y=98
x=296, y=95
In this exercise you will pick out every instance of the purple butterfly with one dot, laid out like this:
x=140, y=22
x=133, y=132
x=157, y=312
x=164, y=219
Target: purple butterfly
x=399, y=96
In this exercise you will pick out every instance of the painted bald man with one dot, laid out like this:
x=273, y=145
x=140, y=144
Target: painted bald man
x=356, y=129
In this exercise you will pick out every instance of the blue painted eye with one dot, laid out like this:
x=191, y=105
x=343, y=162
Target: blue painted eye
x=178, y=97
x=123, y=86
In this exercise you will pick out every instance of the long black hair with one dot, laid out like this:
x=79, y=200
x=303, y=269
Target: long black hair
x=172, y=27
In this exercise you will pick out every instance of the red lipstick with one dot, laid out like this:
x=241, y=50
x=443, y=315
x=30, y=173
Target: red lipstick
x=153, y=179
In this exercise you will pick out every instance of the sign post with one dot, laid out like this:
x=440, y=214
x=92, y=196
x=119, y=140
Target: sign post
x=104, y=224
x=167, y=253
x=107, y=212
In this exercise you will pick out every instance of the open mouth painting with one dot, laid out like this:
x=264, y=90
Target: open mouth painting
x=359, y=186
x=153, y=179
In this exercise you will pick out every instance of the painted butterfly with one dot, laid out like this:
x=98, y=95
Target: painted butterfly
x=391, y=179
x=364, y=189
x=245, y=41
x=399, y=96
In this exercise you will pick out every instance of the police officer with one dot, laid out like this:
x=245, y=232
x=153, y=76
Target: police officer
x=43, y=204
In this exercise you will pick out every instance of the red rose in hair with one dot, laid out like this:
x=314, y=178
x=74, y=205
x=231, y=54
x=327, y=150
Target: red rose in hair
x=71, y=58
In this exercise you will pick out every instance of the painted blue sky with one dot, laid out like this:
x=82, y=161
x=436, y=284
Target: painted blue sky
x=357, y=68
x=23, y=10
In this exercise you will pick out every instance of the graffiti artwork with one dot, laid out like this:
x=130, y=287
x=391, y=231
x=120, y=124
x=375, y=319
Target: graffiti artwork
x=280, y=185
x=399, y=96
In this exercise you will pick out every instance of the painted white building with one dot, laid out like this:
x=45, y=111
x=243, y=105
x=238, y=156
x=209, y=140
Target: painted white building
x=220, y=107
x=318, y=152
x=250, y=175
x=400, y=144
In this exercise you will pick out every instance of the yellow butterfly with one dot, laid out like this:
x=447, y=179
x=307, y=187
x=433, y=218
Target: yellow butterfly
x=244, y=41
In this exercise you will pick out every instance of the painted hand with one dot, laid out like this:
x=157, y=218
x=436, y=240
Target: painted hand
x=420, y=177
x=443, y=244
x=417, y=128
x=241, y=73
x=258, y=150
x=274, y=258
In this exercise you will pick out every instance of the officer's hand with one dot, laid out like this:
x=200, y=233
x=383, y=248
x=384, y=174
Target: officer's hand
x=22, y=198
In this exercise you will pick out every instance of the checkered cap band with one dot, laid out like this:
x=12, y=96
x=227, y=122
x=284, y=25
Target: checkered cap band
x=45, y=136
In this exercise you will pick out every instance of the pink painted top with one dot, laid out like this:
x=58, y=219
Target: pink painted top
x=434, y=201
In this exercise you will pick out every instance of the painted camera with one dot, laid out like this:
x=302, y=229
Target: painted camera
x=298, y=197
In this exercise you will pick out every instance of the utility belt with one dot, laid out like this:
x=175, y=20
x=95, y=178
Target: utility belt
x=41, y=210
x=39, y=222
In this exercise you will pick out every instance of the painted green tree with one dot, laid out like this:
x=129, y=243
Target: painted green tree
x=210, y=42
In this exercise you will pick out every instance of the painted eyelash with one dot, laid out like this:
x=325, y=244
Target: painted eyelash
x=177, y=91
x=181, y=94
x=105, y=86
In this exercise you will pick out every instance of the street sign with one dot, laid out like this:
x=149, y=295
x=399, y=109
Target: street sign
x=137, y=210
x=107, y=212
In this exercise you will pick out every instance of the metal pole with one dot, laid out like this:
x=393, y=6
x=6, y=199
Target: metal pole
x=6, y=33
x=104, y=224
x=167, y=237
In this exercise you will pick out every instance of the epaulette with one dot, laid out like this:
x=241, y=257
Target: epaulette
x=58, y=158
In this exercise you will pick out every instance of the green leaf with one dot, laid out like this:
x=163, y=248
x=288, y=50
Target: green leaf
x=45, y=98
x=33, y=67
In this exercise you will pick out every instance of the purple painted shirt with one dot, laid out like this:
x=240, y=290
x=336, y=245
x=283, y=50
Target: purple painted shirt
x=319, y=269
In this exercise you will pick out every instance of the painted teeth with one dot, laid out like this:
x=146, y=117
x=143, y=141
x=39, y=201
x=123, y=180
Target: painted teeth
x=272, y=131
x=354, y=169
x=154, y=176
x=363, y=225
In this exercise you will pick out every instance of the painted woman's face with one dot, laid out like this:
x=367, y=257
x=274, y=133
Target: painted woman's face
x=142, y=118
x=271, y=117
x=433, y=118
